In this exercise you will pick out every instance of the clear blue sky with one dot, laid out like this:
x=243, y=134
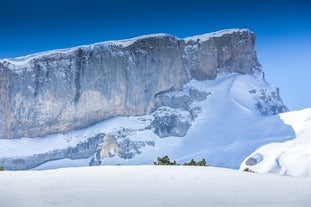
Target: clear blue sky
x=282, y=27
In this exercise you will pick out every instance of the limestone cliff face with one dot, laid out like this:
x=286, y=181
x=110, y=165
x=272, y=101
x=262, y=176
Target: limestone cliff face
x=63, y=90
x=207, y=55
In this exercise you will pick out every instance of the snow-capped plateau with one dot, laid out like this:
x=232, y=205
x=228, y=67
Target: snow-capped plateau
x=151, y=186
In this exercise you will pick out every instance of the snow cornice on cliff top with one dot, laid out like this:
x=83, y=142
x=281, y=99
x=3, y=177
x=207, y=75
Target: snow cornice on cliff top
x=123, y=43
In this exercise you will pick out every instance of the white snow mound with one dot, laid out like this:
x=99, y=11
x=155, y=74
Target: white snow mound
x=292, y=157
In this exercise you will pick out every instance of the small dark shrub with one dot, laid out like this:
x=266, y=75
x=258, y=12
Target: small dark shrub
x=194, y=163
x=164, y=161
x=202, y=163
x=191, y=163
x=248, y=170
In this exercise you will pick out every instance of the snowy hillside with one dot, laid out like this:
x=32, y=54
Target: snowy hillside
x=224, y=127
x=288, y=158
x=137, y=186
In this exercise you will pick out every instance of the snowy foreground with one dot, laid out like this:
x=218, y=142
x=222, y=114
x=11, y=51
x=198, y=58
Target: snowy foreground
x=150, y=186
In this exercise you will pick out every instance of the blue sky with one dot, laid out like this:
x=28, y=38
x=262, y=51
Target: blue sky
x=283, y=30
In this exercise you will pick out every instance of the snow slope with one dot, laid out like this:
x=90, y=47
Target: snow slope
x=178, y=186
x=229, y=127
x=227, y=130
x=287, y=158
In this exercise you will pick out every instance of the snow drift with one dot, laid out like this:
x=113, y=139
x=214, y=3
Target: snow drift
x=292, y=157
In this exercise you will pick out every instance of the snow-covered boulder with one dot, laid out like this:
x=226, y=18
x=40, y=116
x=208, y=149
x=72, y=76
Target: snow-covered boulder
x=171, y=122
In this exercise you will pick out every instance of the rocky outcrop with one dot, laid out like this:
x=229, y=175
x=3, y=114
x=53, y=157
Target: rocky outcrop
x=268, y=101
x=171, y=122
x=118, y=145
x=82, y=150
x=180, y=99
x=64, y=90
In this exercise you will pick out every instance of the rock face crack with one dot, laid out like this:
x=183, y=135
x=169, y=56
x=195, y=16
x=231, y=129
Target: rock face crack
x=4, y=103
x=78, y=72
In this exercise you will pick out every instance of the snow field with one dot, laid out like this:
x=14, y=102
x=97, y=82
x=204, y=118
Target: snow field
x=178, y=186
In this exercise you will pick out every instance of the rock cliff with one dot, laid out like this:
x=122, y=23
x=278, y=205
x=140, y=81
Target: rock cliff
x=63, y=90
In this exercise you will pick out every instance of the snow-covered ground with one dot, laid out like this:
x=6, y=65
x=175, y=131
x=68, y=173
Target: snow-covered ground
x=129, y=186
